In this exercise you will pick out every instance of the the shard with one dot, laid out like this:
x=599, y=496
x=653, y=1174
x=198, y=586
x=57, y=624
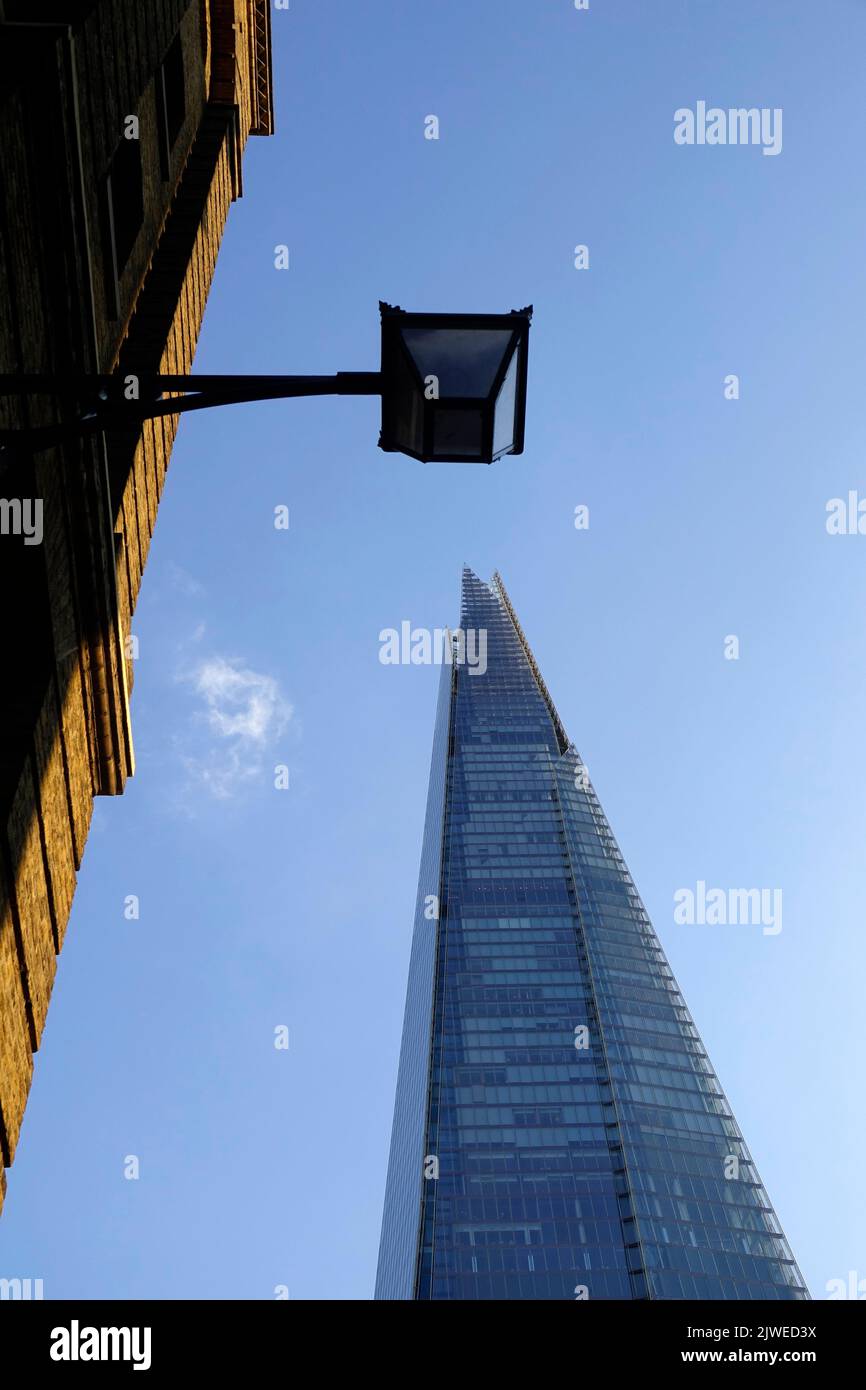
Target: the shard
x=559, y=1132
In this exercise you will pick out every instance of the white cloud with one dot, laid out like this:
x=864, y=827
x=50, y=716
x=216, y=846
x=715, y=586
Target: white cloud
x=243, y=714
x=183, y=582
x=241, y=703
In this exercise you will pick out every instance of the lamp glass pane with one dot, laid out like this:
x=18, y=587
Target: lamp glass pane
x=457, y=432
x=407, y=420
x=402, y=407
x=464, y=360
x=506, y=402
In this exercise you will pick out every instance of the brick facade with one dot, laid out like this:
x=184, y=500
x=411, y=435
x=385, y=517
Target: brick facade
x=196, y=75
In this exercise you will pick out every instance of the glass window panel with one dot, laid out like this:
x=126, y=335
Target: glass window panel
x=457, y=432
x=503, y=422
x=464, y=360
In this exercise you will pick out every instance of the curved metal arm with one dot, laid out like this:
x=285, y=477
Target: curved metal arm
x=107, y=404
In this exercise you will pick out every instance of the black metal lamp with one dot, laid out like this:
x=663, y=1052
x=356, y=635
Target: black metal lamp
x=454, y=385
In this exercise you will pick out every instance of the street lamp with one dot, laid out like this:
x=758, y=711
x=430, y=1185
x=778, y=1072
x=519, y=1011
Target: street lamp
x=454, y=385
x=453, y=389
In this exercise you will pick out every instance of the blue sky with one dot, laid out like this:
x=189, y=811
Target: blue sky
x=261, y=908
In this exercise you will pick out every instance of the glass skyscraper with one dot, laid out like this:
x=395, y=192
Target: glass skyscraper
x=559, y=1132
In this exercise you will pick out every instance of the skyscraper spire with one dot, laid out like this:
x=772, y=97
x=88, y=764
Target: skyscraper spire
x=558, y=1131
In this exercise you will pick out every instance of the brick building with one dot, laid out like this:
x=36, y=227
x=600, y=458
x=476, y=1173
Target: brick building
x=122, y=131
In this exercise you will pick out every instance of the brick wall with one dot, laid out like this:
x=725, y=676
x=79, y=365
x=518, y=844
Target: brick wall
x=66, y=89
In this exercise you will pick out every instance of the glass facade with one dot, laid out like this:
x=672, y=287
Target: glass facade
x=559, y=1132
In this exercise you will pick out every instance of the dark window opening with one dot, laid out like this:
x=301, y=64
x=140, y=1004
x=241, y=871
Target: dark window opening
x=124, y=203
x=170, y=102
